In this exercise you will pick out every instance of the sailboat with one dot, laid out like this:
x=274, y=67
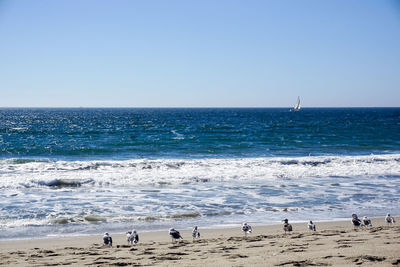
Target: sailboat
x=297, y=106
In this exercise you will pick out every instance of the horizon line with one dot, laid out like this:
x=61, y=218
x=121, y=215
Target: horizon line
x=205, y=107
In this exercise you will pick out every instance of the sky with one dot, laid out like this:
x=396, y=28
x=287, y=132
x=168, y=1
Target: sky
x=225, y=53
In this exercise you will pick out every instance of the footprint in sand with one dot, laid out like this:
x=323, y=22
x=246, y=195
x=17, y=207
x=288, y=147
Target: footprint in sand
x=106, y=258
x=344, y=246
x=16, y=252
x=255, y=246
x=165, y=258
x=224, y=248
x=176, y=254
x=301, y=263
x=99, y=262
x=146, y=252
x=358, y=260
x=175, y=246
x=293, y=250
x=36, y=256
x=396, y=262
x=235, y=256
x=118, y=263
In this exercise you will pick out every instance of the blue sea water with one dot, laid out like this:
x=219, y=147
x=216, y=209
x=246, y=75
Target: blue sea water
x=85, y=171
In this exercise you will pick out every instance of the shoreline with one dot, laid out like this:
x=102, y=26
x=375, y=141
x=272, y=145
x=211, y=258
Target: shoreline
x=334, y=243
x=213, y=227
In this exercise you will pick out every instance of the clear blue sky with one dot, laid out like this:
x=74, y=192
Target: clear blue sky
x=199, y=53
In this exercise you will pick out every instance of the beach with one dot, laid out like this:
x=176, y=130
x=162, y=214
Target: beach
x=335, y=243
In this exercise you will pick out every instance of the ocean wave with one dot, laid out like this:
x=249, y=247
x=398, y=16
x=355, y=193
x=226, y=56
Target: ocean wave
x=15, y=161
x=62, y=219
x=60, y=183
x=20, y=173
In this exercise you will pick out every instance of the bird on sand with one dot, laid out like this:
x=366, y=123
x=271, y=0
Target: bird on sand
x=311, y=226
x=366, y=221
x=389, y=219
x=356, y=221
x=195, y=233
x=246, y=228
x=132, y=237
x=107, y=240
x=286, y=226
x=175, y=235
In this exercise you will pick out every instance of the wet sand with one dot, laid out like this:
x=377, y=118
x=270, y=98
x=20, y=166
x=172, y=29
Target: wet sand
x=335, y=243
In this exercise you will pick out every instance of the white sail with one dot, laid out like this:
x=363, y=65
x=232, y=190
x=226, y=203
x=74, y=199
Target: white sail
x=297, y=106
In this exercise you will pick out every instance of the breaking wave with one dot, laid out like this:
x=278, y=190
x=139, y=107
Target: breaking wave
x=60, y=174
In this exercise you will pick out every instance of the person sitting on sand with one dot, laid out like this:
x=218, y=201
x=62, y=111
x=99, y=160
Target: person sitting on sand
x=107, y=239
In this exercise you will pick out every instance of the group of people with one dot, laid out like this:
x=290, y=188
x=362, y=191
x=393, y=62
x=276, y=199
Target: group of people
x=132, y=237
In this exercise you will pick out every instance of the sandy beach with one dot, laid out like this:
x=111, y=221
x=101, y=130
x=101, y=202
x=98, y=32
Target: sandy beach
x=334, y=244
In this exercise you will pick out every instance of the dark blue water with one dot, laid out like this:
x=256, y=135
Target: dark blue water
x=196, y=133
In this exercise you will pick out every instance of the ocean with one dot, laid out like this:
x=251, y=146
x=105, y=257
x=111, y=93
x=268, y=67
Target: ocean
x=66, y=172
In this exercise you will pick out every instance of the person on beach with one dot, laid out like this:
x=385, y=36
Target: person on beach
x=286, y=226
x=195, y=233
x=107, y=239
x=132, y=237
x=389, y=219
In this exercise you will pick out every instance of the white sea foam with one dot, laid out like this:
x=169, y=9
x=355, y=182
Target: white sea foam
x=14, y=174
x=41, y=196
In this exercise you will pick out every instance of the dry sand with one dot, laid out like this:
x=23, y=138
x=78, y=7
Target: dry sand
x=334, y=244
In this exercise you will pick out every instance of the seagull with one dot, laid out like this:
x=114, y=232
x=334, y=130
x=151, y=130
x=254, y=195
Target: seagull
x=366, y=221
x=246, y=229
x=132, y=237
x=286, y=226
x=195, y=233
x=389, y=219
x=174, y=234
x=107, y=239
x=311, y=226
x=355, y=221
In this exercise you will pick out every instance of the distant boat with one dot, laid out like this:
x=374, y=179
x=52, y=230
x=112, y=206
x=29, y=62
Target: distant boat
x=297, y=106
